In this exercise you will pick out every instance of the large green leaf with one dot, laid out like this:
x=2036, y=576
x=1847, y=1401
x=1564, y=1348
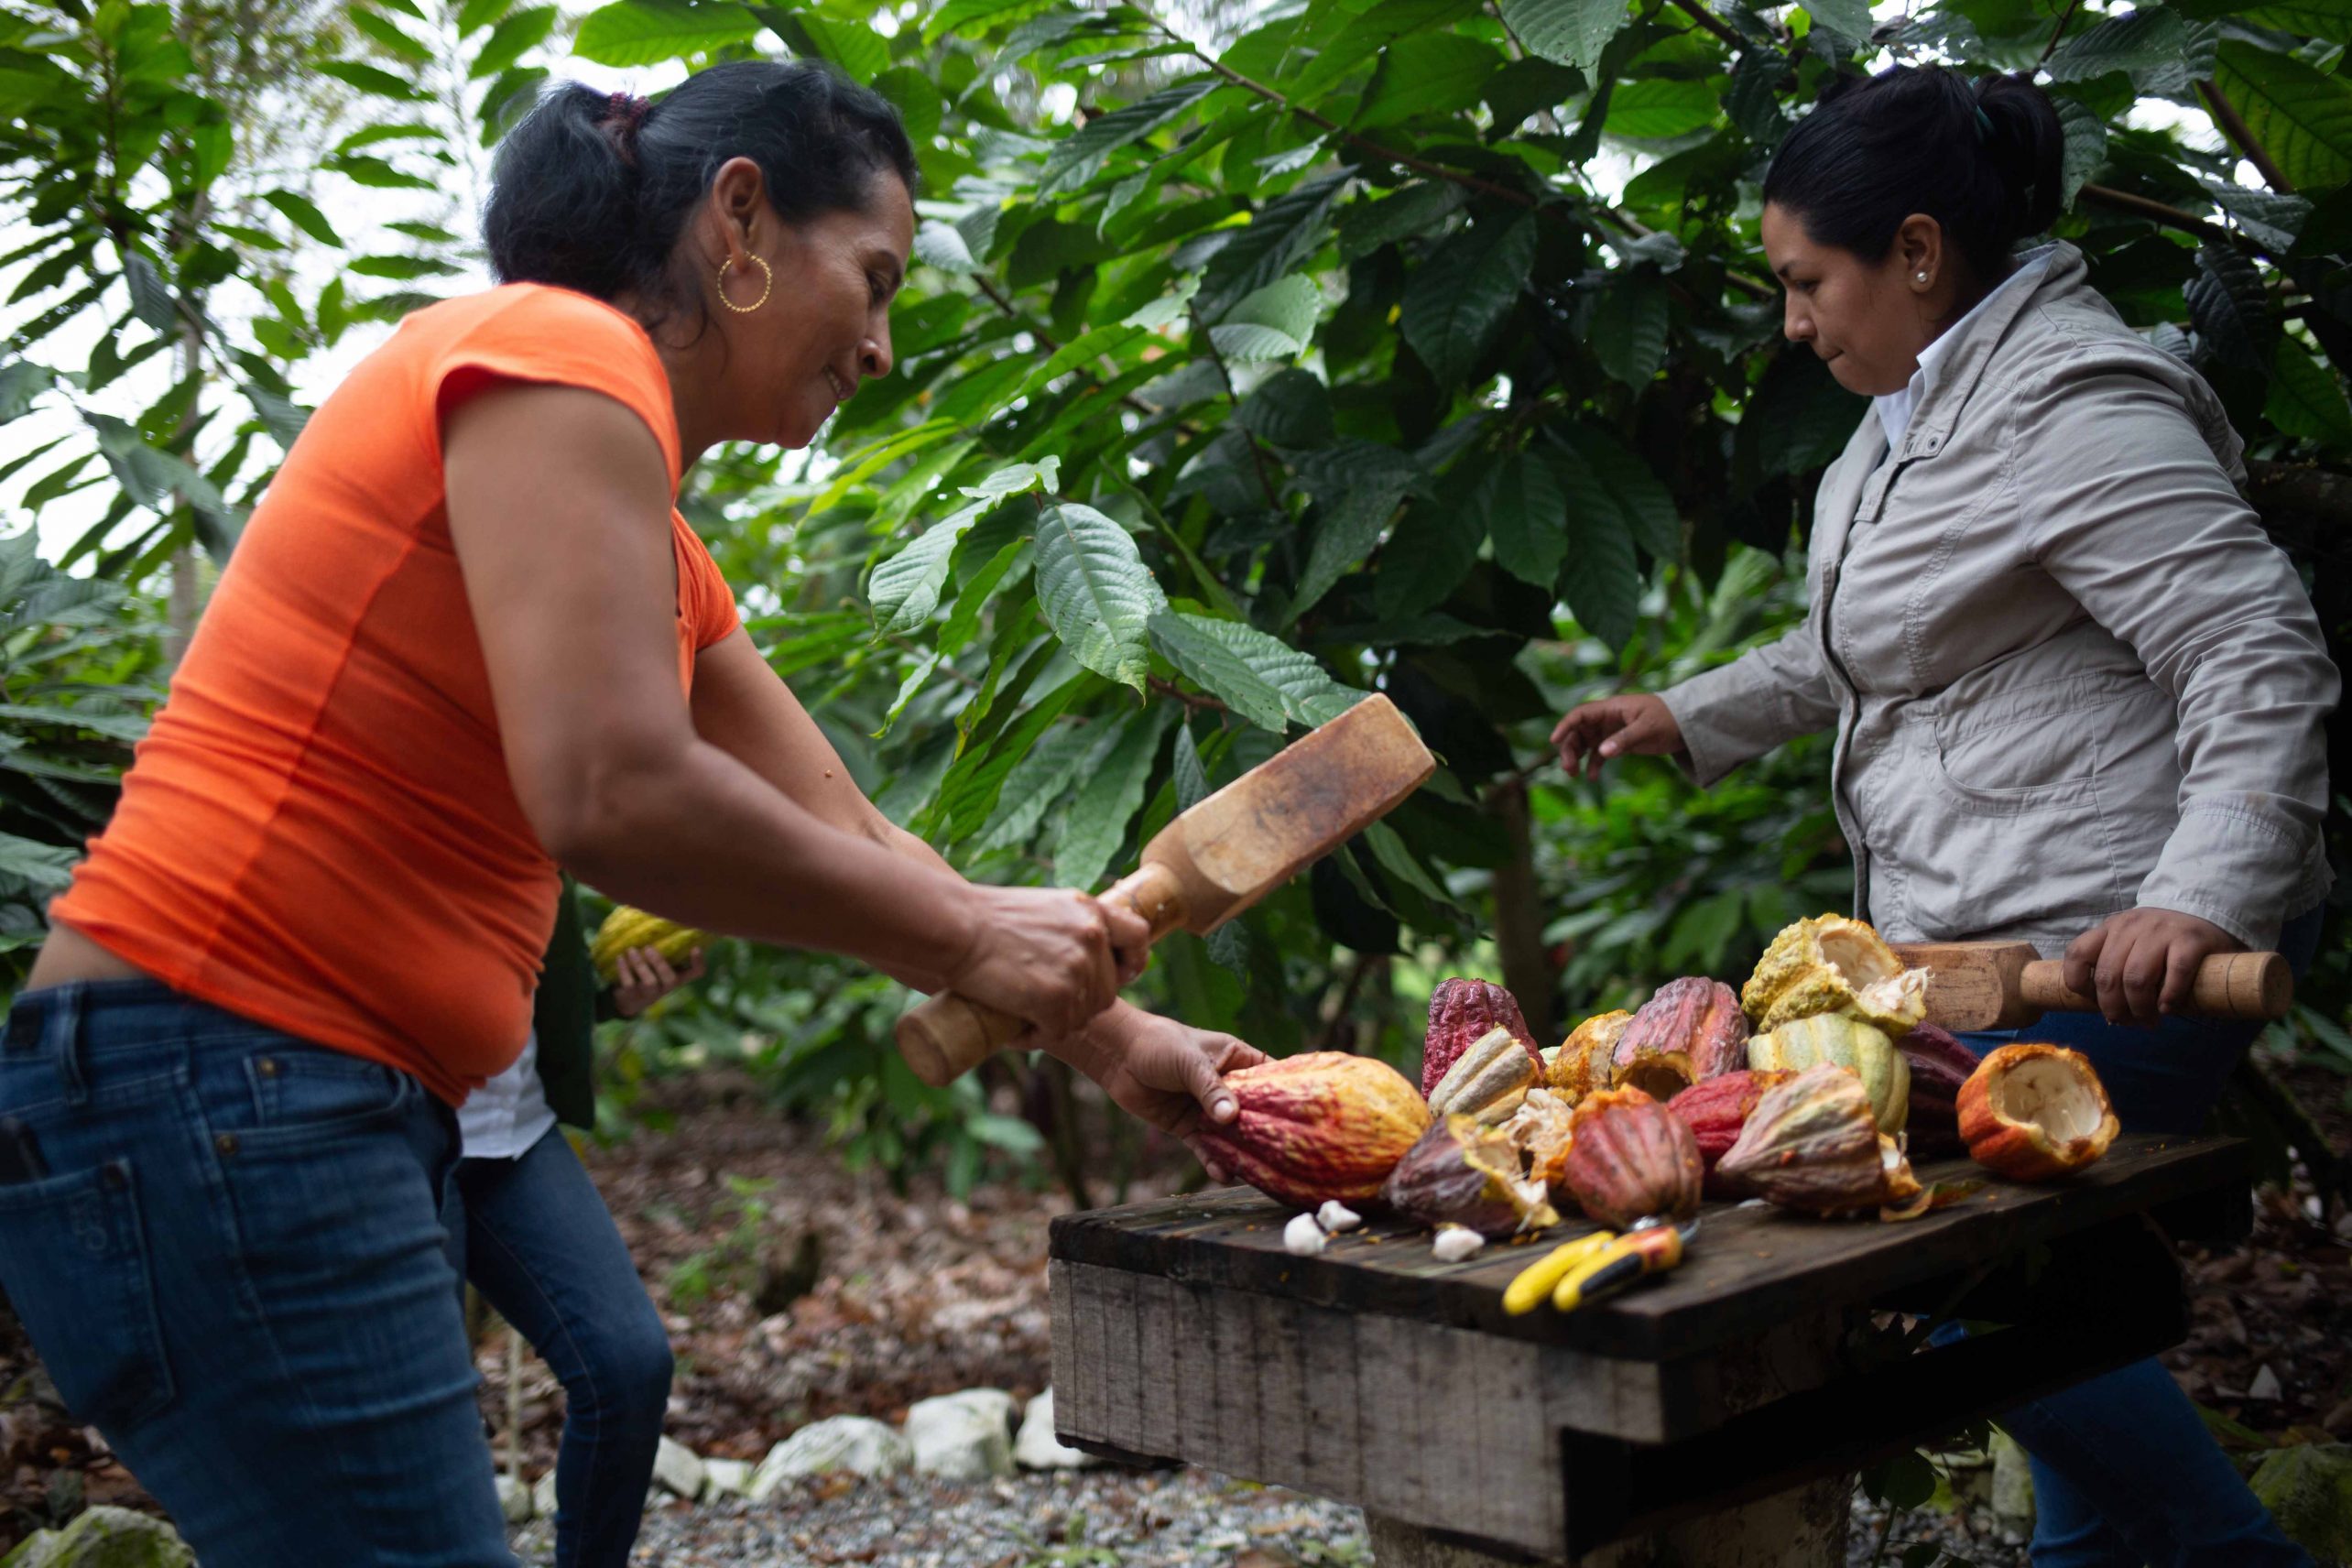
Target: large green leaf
x=1628, y=333
x=2133, y=42
x=1366, y=226
x=1310, y=696
x=1848, y=18
x=1078, y=158
x=648, y=32
x=1038, y=779
x=2307, y=398
x=1218, y=670
x=517, y=35
x=1358, y=485
x=1097, y=595
x=1522, y=505
x=1426, y=558
x=904, y=588
x=1598, y=577
x=1659, y=108
x=1440, y=73
x=1284, y=232
x=2231, y=310
x=1458, y=298
x=304, y=214
x=2087, y=143
x=1275, y=323
x=2303, y=119
x=1644, y=505
x=1109, y=799
x=1572, y=32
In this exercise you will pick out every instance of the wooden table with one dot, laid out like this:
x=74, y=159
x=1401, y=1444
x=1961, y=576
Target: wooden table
x=1712, y=1416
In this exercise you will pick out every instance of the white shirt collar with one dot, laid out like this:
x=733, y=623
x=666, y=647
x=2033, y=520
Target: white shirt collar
x=1895, y=408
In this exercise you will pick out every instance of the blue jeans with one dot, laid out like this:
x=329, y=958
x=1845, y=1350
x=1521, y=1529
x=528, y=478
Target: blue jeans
x=235, y=1269
x=2125, y=1472
x=536, y=1239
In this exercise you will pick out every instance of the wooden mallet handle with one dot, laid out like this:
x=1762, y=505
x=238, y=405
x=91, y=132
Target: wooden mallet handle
x=2228, y=986
x=946, y=1036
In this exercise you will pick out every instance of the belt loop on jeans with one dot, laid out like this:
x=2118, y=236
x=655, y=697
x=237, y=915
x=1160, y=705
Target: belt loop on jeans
x=62, y=1038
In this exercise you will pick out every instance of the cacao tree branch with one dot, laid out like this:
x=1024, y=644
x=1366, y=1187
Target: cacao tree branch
x=2233, y=125
x=2117, y=200
x=1013, y=313
x=1714, y=24
x=2057, y=33
x=1193, y=701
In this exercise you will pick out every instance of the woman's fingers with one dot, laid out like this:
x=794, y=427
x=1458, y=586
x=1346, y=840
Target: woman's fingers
x=2082, y=962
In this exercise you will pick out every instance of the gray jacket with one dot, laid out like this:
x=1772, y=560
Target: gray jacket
x=2069, y=672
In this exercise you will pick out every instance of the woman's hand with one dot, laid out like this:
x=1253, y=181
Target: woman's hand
x=1592, y=732
x=641, y=977
x=2142, y=964
x=1172, y=1075
x=1053, y=958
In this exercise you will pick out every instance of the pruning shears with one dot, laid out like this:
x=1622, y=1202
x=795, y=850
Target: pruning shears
x=1598, y=1265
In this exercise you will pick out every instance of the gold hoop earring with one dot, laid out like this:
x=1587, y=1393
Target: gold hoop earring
x=766, y=271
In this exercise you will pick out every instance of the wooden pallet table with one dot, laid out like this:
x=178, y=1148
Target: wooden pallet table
x=1711, y=1418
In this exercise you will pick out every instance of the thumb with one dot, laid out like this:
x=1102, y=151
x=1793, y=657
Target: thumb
x=1208, y=1088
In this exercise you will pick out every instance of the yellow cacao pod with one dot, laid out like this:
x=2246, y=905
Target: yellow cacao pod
x=627, y=928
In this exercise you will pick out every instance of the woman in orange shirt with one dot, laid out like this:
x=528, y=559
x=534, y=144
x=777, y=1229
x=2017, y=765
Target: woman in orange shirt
x=466, y=638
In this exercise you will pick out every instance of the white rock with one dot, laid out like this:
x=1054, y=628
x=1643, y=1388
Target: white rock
x=854, y=1444
x=964, y=1437
x=726, y=1477
x=1038, y=1448
x=1336, y=1217
x=678, y=1470
x=1303, y=1237
x=514, y=1500
x=2266, y=1385
x=543, y=1496
x=1456, y=1243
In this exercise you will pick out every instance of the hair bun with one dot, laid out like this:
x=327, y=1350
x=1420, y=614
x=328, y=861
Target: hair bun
x=2027, y=144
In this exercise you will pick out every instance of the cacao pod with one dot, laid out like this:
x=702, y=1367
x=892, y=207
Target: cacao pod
x=1324, y=1124
x=1813, y=1143
x=1833, y=965
x=2032, y=1112
x=1462, y=1173
x=1462, y=1012
x=1939, y=1065
x=1631, y=1159
x=1690, y=1030
x=1861, y=1049
x=625, y=928
x=1583, y=1062
x=1541, y=1129
x=1715, y=1111
x=1489, y=1080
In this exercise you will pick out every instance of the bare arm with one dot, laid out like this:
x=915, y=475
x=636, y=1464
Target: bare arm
x=559, y=510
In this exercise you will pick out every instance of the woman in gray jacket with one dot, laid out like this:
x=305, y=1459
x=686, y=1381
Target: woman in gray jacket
x=2078, y=694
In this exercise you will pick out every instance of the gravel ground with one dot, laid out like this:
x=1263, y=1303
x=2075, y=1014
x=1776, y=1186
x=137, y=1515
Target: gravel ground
x=1102, y=1519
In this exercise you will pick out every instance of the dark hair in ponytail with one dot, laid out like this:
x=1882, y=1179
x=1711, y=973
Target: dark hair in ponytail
x=591, y=190
x=1983, y=159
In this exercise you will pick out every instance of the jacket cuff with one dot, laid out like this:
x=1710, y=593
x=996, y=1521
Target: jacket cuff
x=1726, y=716
x=2237, y=860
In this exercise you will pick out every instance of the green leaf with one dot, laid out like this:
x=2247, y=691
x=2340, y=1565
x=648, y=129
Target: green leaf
x=150, y=296
x=1440, y=73
x=1798, y=418
x=476, y=15
x=972, y=19
x=42, y=868
x=1077, y=158
x=1366, y=226
x=648, y=32
x=2272, y=219
x=2307, y=398
x=304, y=214
x=1310, y=695
x=905, y=589
x=21, y=381
x=520, y=33
x=371, y=80
x=1218, y=670
x=2152, y=37
x=401, y=268
x=942, y=245
x=1275, y=323
x=1359, y=484
x=1644, y=505
x=388, y=36
x=280, y=415
x=1035, y=783
x=917, y=99
x=1288, y=409
x=2230, y=308
x=1284, y=232
x=2303, y=119
x=1600, y=580
x=1097, y=595
x=375, y=174
x=1848, y=18
x=1658, y=108
x=2087, y=144
x=908, y=688
x=1628, y=332
x=1458, y=298
x=1426, y=558
x=1108, y=799
x=1570, y=32
x=1522, y=506
x=1016, y=478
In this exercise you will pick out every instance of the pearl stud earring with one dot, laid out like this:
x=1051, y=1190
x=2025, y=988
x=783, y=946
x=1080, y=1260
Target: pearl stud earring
x=1923, y=277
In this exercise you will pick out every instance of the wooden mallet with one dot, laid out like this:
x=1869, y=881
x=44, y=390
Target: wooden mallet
x=2007, y=984
x=1218, y=858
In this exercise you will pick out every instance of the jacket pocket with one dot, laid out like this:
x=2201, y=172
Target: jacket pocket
x=73, y=1259
x=2028, y=751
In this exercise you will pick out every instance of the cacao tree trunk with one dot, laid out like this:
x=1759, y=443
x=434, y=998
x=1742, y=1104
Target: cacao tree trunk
x=1519, y=915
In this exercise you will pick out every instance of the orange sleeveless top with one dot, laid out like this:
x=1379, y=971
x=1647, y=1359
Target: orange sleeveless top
x=318, y=833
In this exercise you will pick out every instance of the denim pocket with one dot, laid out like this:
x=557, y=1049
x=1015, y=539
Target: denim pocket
x=74, y=1261
x=302, y=1091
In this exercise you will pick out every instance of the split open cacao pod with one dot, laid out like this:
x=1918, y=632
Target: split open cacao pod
x=1833, y=964
x=1324, y=1124
x=1581, y=1064
x=1463, y=1172
x=1489, y=1079
x=1461, y=1011
x=1861, y=1049
x=2035, y=1112
x=1690, y=1030
x=1813, y=1142
x=1717, y=1110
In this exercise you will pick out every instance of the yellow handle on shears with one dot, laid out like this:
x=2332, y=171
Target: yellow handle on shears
x=1539, y=1279
x=1647, y=1251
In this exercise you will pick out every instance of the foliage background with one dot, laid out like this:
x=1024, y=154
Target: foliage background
x=1257, y=355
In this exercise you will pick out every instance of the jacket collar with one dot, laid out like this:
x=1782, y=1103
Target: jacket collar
x=1963, y=353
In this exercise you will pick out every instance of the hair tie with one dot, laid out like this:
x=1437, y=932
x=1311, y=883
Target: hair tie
x=1984, y=124
x=625, y=112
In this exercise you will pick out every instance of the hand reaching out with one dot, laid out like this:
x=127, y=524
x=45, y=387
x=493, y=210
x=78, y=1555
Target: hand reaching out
x=1592, y=732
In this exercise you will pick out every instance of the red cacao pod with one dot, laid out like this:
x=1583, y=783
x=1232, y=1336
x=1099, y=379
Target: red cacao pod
x=1690, y=1030
x=1463, y=1172
x=1813, y=1143
x=1716, y=1110
x=1461, y=1011
x=1630, y=1158
x=2033, y=1112
x=1939, y=1065
x=1324, y=1124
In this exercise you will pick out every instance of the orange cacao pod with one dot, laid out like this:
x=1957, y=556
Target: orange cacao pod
x=1582, y=1063
x=1690, y=1030
x=1461, y=1011
x=2032, y=1112
x=1629, y=1158
x=1324, y=1124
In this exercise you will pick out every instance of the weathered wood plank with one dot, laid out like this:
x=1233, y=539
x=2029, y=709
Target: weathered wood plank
x=1749, y=1268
